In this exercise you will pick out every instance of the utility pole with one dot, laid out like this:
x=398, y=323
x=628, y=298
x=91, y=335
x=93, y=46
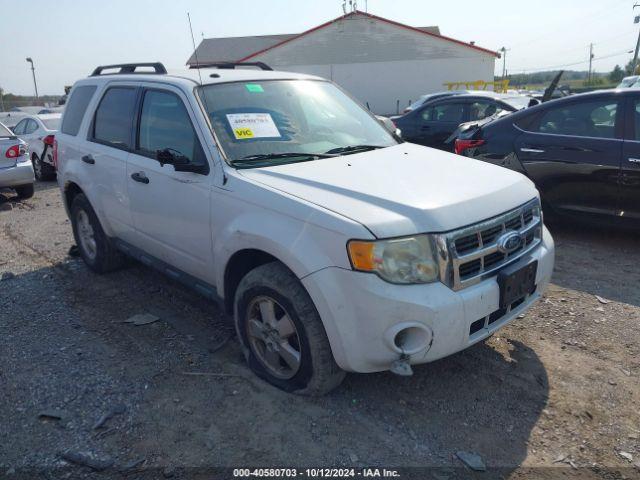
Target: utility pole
x=590, y=63
x=635, y=55
x=504, y=61
x=33, y=72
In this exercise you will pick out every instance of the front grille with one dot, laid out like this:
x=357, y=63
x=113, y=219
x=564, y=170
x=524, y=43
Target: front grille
x=474, y=252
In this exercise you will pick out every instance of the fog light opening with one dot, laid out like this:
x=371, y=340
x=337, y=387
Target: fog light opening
x=412, y=340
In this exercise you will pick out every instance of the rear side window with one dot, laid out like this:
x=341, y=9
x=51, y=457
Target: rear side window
x=165, y=124
x=114, y=117
x=588, y=119
x=75, y=109
x=445, y=112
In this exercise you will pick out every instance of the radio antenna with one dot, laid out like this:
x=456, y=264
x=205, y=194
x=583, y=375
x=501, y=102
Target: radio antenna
x=195, y=50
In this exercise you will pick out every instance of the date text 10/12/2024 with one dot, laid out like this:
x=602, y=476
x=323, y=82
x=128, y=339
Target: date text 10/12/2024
x=315, y=473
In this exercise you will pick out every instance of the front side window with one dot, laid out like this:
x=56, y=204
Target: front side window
x=588, y=119
x=114, y=117
x=31, y=127
x=444, y=113
x=75, y=109
x=289, y=119
x=637, y=119
x=19, y=128
x=165, y=124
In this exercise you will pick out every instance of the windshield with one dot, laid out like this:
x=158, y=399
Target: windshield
x=51, y=123
x=5, y=132
x=281, y=118
x=627, y=82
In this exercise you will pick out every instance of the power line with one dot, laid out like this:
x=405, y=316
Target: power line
x=582, y=62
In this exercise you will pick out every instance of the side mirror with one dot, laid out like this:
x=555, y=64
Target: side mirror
x=181, y=163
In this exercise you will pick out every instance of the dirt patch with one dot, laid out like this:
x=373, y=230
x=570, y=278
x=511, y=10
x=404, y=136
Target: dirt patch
x=556, y=391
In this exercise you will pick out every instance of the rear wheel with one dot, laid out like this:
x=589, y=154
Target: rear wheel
x=95, y=247
x=25, y=191
x=42, y=170
x=282, y=334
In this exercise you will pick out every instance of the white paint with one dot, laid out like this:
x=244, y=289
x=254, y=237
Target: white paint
x=381, y=64
x=304, y=214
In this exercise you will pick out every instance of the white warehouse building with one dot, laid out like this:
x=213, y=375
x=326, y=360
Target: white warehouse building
x=384, y=64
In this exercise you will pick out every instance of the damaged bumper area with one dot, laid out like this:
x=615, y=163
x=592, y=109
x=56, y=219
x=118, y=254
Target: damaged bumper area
x=372, y=324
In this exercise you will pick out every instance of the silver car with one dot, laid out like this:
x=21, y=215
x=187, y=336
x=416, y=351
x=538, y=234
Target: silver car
x=16, y=171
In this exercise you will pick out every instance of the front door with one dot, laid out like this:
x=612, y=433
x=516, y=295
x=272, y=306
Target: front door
x=573, y=153
x=171, y=210
x=630, y=169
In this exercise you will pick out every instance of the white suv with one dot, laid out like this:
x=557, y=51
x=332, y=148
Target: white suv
x=335, y=246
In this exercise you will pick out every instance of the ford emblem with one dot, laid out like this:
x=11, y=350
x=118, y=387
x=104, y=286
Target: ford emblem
x=509, y=242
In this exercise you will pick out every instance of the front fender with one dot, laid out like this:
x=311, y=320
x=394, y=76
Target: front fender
x=302, y=246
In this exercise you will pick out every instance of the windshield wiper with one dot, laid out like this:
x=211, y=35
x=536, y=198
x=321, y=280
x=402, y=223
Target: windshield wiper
x=261, y=157
x=352, y=149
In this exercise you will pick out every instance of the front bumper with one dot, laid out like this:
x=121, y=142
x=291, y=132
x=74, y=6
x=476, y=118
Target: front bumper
x=362, y=313
x=21, y=174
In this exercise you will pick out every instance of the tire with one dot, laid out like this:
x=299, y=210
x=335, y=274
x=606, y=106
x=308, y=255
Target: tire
x=317, y=372
x=96, y=249
x=25, y=191
x=42, y=170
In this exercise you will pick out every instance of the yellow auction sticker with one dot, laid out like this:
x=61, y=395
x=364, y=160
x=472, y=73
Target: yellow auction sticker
x=243, y=133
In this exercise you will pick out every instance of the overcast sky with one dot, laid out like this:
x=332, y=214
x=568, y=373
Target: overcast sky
x=68, y=38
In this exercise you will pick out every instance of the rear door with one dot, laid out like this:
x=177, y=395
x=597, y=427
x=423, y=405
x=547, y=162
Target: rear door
x=573, y=152
x=630, y=169
x=171, y=210
x=32, y=135
x=110, y=138
x=436, y=122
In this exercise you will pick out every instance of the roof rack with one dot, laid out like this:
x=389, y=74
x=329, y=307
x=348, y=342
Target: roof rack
x=130, y=68
x=232, y=65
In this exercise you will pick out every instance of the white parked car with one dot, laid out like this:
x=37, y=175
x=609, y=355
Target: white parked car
x=335, y=246
x=39, y=131
x=16, y=171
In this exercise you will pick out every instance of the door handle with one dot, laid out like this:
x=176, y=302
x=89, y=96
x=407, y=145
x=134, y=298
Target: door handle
x=634, y=160
x=88, y=159
x=531, y=150
x=425, y=127
x=140, y=177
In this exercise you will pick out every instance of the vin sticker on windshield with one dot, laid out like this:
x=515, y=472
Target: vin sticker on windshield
x=252, y=125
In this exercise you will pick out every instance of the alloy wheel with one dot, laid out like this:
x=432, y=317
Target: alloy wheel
x=86, y=235
x=273, y=337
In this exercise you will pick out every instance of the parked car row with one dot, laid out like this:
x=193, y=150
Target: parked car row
x=582, y=152
x=432, y=122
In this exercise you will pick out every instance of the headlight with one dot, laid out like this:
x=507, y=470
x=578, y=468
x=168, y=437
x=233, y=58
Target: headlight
x=403, y=260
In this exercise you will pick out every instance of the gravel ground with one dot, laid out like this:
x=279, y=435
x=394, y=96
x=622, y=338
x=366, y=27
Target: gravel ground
x=554, y=394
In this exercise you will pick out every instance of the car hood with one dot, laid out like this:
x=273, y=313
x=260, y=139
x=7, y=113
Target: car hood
x=402, y=190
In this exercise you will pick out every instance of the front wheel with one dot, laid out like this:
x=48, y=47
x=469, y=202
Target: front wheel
x=282, y=334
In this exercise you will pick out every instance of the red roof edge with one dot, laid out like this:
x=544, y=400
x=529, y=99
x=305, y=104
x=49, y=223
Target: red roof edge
x=382, y=19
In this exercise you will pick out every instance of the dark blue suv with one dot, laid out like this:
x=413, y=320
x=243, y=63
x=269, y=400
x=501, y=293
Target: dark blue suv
x=582, y=152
